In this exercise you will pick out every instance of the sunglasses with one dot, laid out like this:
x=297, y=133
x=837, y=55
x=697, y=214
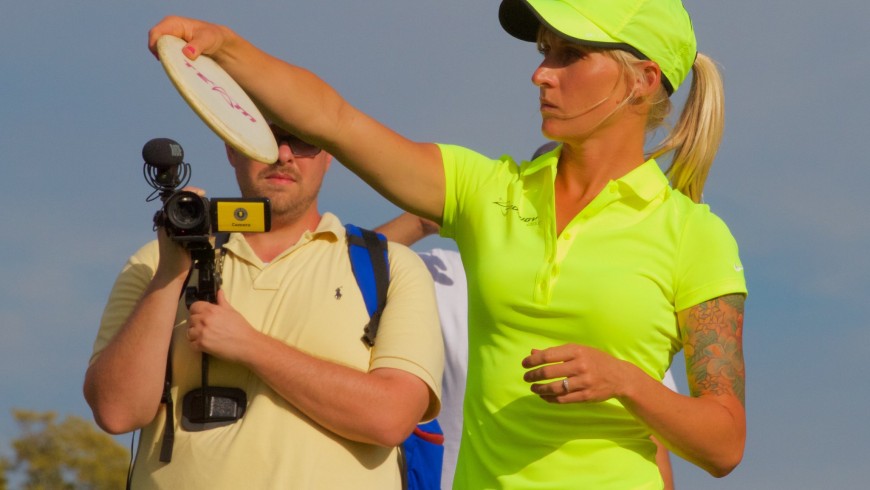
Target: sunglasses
x=297, y=146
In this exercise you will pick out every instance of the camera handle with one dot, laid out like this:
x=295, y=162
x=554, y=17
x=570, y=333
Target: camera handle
x=208, y=283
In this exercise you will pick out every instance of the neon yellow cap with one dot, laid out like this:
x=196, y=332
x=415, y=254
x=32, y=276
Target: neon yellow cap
x=657, y=30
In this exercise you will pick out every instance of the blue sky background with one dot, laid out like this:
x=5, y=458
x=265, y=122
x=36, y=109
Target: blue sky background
x=81, y=96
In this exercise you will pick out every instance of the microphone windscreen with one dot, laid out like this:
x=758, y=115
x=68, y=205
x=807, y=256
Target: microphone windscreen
x=162, y=153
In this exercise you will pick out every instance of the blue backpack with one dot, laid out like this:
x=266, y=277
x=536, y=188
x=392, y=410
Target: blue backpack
x=422, y=453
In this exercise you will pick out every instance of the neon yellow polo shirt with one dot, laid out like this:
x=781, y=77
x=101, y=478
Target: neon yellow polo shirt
x=613, y=279
x=306, y=297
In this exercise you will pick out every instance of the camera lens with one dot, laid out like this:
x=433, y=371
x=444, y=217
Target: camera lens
x=187, y=211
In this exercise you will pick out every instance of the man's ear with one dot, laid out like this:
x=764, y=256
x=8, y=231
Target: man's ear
x=231, y=154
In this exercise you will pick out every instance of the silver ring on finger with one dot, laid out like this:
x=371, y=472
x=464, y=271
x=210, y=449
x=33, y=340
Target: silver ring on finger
x=565, y=385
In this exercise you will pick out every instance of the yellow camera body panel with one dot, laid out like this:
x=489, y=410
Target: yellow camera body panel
x=241, y=215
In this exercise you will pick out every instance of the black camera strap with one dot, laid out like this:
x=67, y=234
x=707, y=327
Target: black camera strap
x=166, y=397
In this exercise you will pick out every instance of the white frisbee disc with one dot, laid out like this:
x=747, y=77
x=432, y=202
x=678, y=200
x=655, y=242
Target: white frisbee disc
x=218, y=100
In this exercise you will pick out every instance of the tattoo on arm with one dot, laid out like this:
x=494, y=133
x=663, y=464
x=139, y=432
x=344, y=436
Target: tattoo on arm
x=713, y=344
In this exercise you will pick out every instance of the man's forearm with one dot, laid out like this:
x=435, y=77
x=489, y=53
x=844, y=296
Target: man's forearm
x=379, y=407
x=124, y=384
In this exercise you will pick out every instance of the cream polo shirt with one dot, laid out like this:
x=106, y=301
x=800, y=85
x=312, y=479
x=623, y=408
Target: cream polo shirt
x=308, y=298
x=614, y=280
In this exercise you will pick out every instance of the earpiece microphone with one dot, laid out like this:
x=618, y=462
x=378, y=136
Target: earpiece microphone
x=565, y=117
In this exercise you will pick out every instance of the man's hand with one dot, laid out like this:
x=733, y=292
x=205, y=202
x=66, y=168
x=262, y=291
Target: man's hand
x=175, y=260
x=219, y=330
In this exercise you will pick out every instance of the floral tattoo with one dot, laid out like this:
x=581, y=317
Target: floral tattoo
x=713, y=343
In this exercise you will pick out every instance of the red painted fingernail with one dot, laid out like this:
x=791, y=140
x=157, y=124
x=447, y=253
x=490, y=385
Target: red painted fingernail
x=189, y=50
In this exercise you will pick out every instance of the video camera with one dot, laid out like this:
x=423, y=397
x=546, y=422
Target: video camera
x=187, y=217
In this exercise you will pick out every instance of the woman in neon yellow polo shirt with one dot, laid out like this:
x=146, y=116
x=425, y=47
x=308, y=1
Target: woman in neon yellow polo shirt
x=588, y=267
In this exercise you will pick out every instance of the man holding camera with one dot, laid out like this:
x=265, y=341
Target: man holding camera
x=320, y=408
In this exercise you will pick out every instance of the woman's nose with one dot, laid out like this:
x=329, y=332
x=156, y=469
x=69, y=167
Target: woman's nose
x=541, y=75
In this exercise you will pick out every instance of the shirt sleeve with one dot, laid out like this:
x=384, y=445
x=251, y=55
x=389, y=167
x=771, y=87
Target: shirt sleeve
x=125, y=294
x=709, y=263
x=409, y=336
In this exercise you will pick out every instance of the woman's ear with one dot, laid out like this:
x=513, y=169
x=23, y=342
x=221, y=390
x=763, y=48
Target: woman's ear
x=649, y=81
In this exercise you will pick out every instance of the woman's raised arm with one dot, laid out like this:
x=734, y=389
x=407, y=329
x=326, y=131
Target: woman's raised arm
x=408, y=173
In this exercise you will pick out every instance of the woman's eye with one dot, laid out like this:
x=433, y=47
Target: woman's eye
x=574, y=54
x=565, y=57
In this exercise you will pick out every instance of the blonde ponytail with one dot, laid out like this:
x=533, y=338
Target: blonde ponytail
x=696, y=136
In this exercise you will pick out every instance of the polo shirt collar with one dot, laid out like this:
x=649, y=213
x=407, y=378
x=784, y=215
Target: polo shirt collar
x=330, y=225
x=329, y=228
x=547, y=160
x=646, y=181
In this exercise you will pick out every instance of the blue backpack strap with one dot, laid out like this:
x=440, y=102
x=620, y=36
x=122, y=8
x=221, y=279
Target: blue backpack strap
x=368, y=259
x=422, y=453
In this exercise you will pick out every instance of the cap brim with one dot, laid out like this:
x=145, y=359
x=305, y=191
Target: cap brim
x=521, y=19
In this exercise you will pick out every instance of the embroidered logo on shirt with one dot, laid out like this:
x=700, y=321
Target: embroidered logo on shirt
x=338, y=292
x=508, y=207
